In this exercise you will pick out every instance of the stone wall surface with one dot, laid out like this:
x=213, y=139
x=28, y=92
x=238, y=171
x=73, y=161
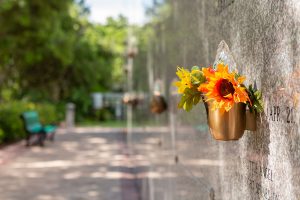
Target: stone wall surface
x=263, y=37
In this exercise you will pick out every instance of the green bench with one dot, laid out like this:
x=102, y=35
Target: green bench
x=33, y=127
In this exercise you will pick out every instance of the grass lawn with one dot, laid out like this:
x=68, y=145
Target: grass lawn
x=116, y=123
x=110, y=123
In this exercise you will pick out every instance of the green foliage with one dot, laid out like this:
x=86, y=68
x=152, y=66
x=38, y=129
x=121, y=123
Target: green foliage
x=96, y=117
x=114, y=35
x=48, y=113
x=107, y=123
x=197, y=76
x=49, y=51
x=143, y=61
x=11, y=124
x=256, y=100
x=190, y=98
x=2, y=135
x=34, y=42
x=10, y=121
x=105, y=114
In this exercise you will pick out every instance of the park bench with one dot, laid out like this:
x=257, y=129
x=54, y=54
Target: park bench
x=34, y=127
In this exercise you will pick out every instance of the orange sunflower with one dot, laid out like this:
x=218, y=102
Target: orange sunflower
x=222, y=88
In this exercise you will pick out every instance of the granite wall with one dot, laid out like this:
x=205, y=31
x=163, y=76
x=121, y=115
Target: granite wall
x=185, y=161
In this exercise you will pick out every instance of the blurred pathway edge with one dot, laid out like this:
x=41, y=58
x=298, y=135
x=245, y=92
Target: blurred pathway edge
x=83, y=163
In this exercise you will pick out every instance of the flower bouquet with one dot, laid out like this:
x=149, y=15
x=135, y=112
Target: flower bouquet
x=225, y=97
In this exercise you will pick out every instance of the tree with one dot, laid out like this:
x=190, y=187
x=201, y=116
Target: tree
x=49, y=51
x=36, y=43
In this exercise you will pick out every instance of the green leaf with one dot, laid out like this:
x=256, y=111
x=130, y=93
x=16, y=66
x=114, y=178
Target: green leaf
x=256, y=100
x=198, y=77
x=182, y=101
x=190, y=98
x=236, y=75
x=195, y=68
x=188, y=104
x=196, y=99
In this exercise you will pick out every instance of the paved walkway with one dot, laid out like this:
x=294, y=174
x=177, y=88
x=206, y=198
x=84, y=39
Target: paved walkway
x=86, y=163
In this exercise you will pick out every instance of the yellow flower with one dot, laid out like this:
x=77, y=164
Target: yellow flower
x=223, y=89
x=185, y=80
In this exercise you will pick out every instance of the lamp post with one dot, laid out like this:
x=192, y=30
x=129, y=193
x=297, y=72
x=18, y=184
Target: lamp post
x=131, y=53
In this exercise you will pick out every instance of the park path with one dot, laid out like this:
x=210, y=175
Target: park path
x=85, y=163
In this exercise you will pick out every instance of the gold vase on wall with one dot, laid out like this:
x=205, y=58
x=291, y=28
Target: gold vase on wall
x=158, y=104
x=250, y=121
x=227, y=125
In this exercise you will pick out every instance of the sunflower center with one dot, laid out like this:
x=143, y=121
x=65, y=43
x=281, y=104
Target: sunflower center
x=225, y=87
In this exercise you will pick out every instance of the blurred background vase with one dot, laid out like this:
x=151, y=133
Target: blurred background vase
x=227, y=125
x=131, y=99
x=158, y=104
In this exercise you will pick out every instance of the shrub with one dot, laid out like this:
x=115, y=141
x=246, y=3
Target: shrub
x=47, y=113
x=11, y=124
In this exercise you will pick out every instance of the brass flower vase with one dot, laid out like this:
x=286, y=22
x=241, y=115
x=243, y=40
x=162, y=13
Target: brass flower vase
x=227, y=125
x=158, y=104
x=250, y=121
